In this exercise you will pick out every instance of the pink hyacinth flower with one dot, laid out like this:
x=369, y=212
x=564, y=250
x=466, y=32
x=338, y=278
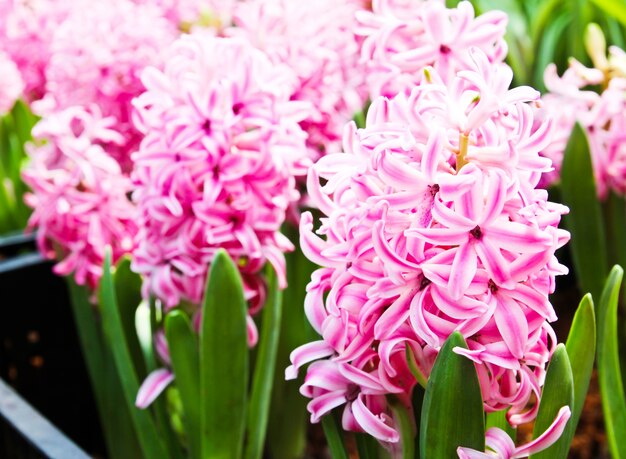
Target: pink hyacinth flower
x=79, y=193
x=401, y=38
x=432, y=223
x=316, y=40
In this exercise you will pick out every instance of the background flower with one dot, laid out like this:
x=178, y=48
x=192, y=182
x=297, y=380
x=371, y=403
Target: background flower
x=217, y=166
x=317, y=41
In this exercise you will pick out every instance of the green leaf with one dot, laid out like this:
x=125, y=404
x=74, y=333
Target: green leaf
x=558, y=391
x=615, y=217
x=581, y=349
x=452, y=413
x=367, y=446
x=223, y=361
x=183, y=347
x=547, y=46
x=147, y=434
x=332, y=431
x=584, y=221
x=288, y=419
x=128, y=292
x=118, y=430
x=609, y=375
x=614, y=8
x=264, y=369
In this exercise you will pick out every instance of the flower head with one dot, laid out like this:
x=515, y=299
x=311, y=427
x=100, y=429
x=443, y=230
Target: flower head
x=316, y=40
x=79, y=193
x=403, y=37
x=432, y=224
x=217, y=166
x=27, y=28
x=572, y=99
x=97, y=55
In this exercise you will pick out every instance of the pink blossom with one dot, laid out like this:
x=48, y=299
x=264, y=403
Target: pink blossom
x=11, y=84
x=571, y=99
x=403, y=37
x=79, y=193
x=432, y=223
x=97, y=55
x=502, y=447
x=316, y=40
x=217, y=166
x=27, y=31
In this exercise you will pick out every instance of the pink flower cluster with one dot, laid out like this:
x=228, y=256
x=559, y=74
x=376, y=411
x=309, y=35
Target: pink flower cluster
x=26, y=33
x=316, y=40
x=94, y=54
x=79, y=193
x=216, y=168
x=432, y=223
x=11, y=84
x=96, y=57
x=603, y=117
x=401, y=37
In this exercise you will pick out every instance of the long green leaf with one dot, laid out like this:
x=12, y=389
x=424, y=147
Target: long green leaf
x=581, y=349
x=332, y=431
x=288, y=419
x=367, y=446
x=118, y=430
x=264, y=369
x=183, y=347
x=223, y=361
x=147, y=434
x=609, y=375
x=452, y=413
x=584, y=221
x=547, y=46
x=614, y=8
x=558, y=391
x=128, y=292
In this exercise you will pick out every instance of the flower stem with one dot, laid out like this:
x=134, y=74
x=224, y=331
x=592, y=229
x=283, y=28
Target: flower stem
x=460, y=157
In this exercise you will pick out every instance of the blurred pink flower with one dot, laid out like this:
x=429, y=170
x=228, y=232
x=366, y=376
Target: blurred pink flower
x=432, y=223
x=217, y=166
x=26, y=34
x=97, y=55
x=11, y=84
x=317, y=41
x=571, y=99
x=403, y=37
x=79, y=193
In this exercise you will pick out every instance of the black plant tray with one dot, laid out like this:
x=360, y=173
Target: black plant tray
x=24, y=433
x=40, y=355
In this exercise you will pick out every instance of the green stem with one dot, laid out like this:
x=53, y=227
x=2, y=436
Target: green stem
x=264, y=370
x=330, y=424
x=407, y=432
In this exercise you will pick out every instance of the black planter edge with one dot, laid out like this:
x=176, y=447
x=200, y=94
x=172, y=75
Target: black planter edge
x=21, y=261
x=34, y=428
